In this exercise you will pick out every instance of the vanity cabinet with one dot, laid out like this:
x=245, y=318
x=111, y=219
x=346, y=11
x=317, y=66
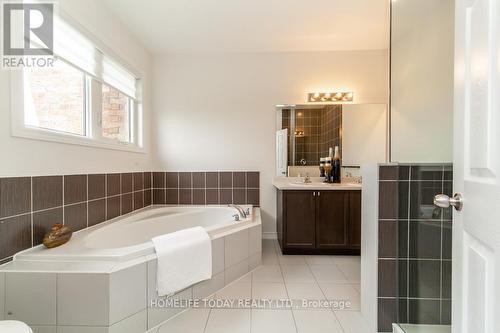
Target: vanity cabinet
x=319, y=222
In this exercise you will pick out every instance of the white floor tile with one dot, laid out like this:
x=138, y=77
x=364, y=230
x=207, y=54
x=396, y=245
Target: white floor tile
x=351, y=269
x=353, y=322
x=318, y=260
x=272, y=321
x=245, y=278
x=269, y=290
x=327, y=273
x=236, y=290
x=267, y=273
x=297, y=273
x=228, y=321
x=270, y=259
x=316, y=321
x=268, y=246
x=346, y=259
x=344, y=292
x=292, y=260
x=308, y=291
x=190, y=321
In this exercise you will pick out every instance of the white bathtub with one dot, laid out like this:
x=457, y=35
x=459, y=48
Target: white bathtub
x=129, y=236
x=108, y=272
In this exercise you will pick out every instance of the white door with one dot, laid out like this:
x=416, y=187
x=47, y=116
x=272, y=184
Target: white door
x=476, y=229
x=281, y=152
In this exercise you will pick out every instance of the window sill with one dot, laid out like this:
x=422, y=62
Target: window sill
x=67, y=138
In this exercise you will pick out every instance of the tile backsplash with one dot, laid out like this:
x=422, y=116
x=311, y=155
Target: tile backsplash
x=414, y=253
x=29, y=206
x=206, y=188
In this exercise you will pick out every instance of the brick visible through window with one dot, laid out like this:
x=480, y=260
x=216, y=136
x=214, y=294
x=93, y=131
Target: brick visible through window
x=54, y=98
x=116, y=108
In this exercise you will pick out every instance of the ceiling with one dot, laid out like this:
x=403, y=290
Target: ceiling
x=220, y=26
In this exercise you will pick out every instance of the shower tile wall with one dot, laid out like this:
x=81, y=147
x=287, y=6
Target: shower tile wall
x=414, y=246
x=29, y=206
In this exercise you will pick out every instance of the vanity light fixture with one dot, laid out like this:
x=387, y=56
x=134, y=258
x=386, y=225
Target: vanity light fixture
x=330, y=97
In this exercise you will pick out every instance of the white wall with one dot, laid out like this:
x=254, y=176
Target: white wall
x=422, y=81
x=364, y=134
x=369, y=245
x=30, y=157
x=217, y=112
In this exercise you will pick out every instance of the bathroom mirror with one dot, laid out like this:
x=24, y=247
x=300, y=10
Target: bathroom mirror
x=306, y=132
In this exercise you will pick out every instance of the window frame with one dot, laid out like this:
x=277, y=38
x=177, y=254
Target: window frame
x=93, y=113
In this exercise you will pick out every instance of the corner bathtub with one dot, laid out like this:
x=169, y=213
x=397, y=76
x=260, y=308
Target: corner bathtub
x=104, y=278
x=129, y=237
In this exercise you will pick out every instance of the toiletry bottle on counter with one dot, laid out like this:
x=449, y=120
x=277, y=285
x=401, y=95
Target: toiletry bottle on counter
x=328, y=170
x=322, y=167
x=336, y=166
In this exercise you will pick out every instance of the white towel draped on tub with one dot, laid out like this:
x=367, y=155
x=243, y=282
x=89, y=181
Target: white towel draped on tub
x=184, y=258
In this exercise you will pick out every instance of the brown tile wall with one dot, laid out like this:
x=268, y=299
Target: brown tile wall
x=331, y=129
x=29, y=206
x=206, y=188
x=322, y=129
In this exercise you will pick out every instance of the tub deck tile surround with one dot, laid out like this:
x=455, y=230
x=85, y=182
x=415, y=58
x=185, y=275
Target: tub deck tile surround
x=110, y=298
x=31, y=298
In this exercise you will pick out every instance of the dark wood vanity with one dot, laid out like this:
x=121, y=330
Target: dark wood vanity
x=319, y=221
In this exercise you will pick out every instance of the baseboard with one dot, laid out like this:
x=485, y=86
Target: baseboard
x=269, y=235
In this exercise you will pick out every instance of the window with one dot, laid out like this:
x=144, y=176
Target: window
x=116, y=110
x=54, y=99
x=86, y=98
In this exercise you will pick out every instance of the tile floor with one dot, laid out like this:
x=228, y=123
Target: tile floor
x=283, y=277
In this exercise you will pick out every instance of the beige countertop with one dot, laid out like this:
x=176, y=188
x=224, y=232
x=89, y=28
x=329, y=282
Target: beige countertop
x=317, y=184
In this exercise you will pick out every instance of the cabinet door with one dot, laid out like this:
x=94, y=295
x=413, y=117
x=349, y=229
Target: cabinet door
x=332, y=219
x=299, y=219
x=355, y=218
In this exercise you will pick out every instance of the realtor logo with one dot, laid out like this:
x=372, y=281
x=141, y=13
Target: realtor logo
x=28, y=34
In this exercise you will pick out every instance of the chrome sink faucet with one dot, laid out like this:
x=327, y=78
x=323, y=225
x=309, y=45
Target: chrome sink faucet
x=240, y=210
x=307, y=179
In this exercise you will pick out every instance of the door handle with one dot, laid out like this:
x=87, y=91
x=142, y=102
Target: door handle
x=444, y=201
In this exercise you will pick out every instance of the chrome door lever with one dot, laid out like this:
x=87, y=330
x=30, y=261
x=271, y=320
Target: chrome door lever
x=444, y=201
